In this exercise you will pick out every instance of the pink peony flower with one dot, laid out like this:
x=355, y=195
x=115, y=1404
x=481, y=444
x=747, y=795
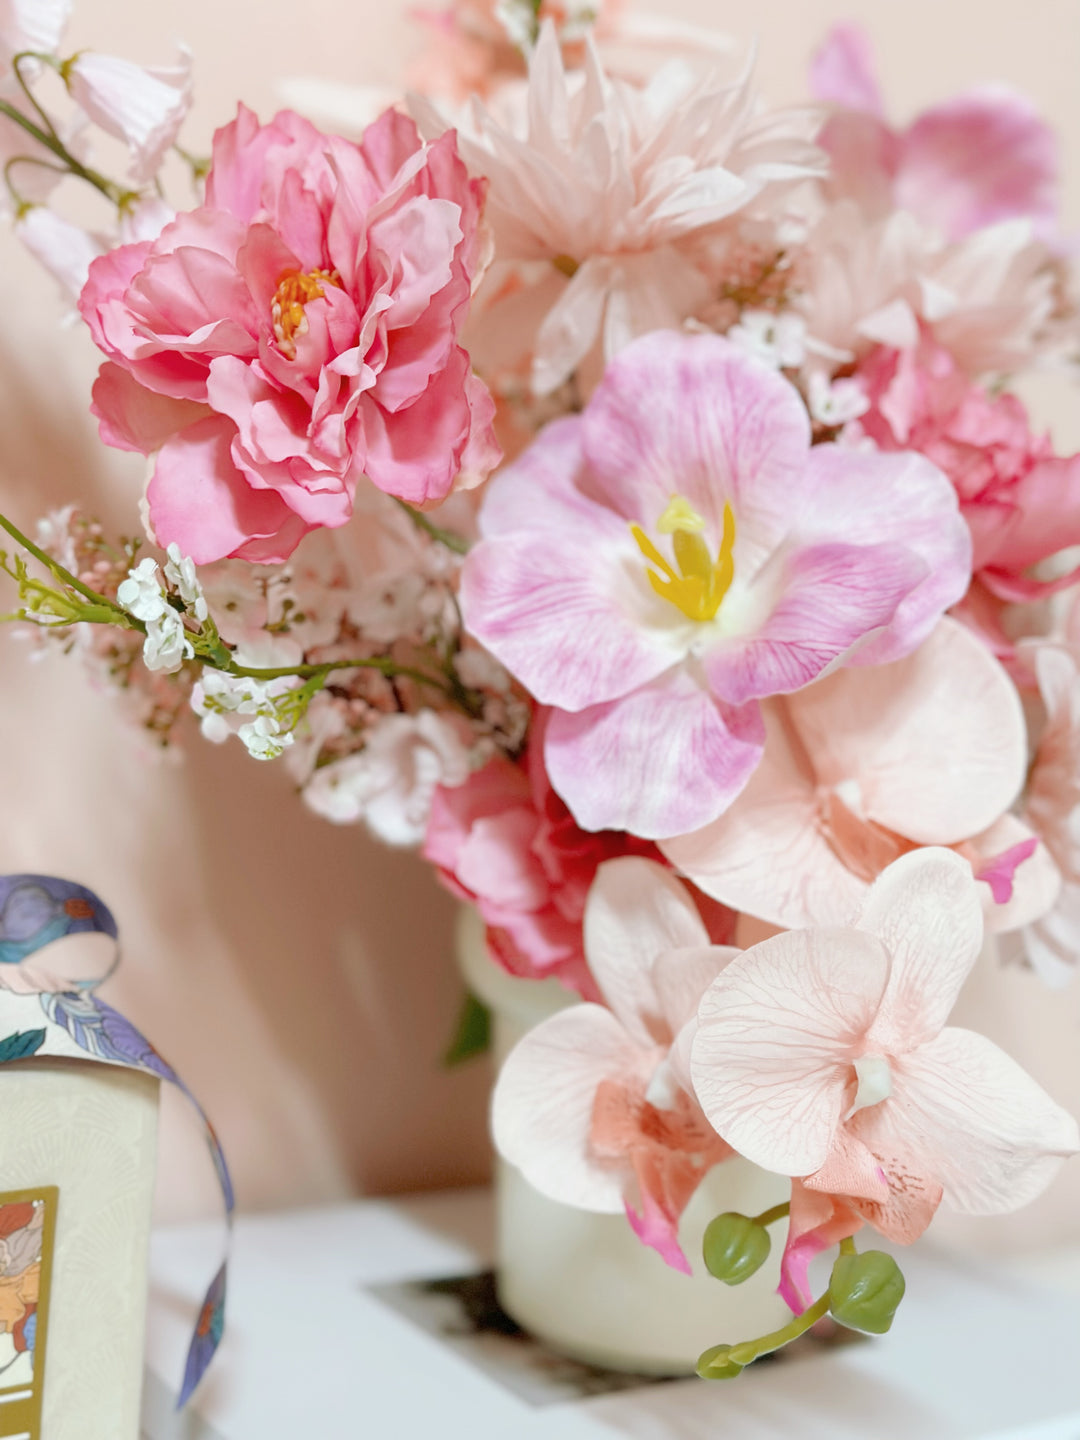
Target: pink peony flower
x=295, y=333
x=594, y=1104
x=1021, y=502
x=821, y=1054
x=871, y=763
x=783, y=560
x=505, y=841
x=971, y=162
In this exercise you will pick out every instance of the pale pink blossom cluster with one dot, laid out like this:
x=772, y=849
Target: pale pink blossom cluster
x=767, y=624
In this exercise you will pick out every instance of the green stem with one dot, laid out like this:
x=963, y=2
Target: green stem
x=847, y=1246
x=65, y=576
x=770, y=1217
x=16, y=65
x=72, y=166
x=457, y=543
x=751, y=1349
x=390, y=668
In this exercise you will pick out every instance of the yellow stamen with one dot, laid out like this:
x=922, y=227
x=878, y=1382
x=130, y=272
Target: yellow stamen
x=294, y=291
x=699, y=585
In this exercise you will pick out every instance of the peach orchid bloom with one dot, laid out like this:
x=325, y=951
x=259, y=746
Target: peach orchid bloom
x=594, y=1105
x=823, y=1054
x=866, y=765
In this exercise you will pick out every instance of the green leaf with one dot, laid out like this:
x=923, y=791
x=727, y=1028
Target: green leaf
x=472, y=1036
x=21, y=1045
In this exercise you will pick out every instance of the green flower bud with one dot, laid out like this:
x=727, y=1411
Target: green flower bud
x=714, y=1364
x=735, y=1247
x=865, y=1290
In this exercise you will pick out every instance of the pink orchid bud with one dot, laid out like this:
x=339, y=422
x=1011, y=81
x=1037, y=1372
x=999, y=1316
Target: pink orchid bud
x=143, y=107
x=65, y=250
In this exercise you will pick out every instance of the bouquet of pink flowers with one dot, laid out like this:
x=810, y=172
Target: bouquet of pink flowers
x=614, y=487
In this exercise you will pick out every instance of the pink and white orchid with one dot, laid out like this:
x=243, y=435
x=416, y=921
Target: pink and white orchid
x=977, y=159
x=784, y=560
x=866, y=765
x=594, y=1105
x=823, y=1054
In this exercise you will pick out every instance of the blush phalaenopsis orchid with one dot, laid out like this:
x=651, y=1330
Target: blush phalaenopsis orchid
x=823, y=1054
x=594, y=1105
x=866, y=765
x=295, y=336
x=656, y=567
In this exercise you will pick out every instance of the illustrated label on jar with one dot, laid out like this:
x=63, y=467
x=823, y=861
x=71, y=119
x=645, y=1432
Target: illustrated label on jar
x=27, y=1239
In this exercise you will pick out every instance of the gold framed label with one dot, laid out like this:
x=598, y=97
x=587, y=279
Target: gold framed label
x=27, y=1244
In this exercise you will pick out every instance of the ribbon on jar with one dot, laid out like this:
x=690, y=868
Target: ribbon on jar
x=58, y=943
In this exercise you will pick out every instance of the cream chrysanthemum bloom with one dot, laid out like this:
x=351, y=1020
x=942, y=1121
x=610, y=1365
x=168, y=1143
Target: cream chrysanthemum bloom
x=614, y=187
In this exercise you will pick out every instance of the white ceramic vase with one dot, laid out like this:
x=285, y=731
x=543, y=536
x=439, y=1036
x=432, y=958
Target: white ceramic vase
x=583, y=1283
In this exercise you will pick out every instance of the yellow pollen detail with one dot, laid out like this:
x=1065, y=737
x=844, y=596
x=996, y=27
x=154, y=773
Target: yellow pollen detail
x=293, y=293
x=699, y=585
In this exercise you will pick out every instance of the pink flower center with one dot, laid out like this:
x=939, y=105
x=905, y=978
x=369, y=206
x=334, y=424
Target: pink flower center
x=700, y=583
x=287, y=309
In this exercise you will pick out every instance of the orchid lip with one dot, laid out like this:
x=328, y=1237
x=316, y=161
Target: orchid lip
x=875, y=1083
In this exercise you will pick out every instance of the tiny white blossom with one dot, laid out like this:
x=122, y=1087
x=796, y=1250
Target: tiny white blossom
x=835, y=404
x=263, y=737
x=180, y=572
x=166, y=646
x=142, y=593
x=779, y=340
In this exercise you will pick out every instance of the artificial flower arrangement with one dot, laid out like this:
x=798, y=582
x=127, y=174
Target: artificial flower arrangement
x=614, y=487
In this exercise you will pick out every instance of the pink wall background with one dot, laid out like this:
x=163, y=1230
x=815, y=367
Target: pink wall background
x=298, y=975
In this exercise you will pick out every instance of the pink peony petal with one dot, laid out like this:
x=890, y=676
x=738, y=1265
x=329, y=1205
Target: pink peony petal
x=769, y=1061
x=963, y=1111
x=636, y=911
x=542, y=1108
x=199, y=499
x=663, y=760
x=416, y=453
x=134, y=418
x=928, y=915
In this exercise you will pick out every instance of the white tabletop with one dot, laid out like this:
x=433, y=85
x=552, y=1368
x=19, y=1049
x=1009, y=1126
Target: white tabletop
x=976, y=1352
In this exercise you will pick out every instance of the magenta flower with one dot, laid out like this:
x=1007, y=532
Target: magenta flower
x=655, y=567
x=295, y=333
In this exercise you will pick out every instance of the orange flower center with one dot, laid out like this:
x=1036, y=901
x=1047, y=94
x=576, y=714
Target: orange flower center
x=287, y=309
